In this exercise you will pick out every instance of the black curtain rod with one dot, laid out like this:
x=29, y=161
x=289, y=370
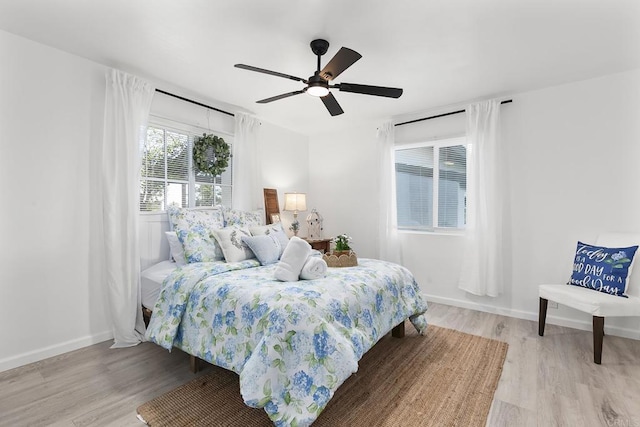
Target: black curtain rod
x=442, y=115
x=182, y=98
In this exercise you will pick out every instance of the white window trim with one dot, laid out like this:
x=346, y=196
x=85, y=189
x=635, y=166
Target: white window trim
x=176, y=126
x=179, y=126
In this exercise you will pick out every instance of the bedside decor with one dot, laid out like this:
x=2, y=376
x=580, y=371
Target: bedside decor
x=345, y=259
x=314, y=222
x=342, y=244
x=342, y=255
x=322, y=245
x=213, y=162
x=295, y=202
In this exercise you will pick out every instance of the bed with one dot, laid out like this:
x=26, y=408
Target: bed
x=151, y=281
x=291, y=343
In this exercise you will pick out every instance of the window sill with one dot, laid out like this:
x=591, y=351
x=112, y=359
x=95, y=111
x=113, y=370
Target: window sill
x=436, y=232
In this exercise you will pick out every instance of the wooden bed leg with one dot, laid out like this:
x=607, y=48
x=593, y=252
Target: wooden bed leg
x=398, y=331
x=194, y=364
x=146, y=316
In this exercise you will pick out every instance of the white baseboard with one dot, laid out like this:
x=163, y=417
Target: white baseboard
x=57, y=349
x=533, y=316
x=52, y=350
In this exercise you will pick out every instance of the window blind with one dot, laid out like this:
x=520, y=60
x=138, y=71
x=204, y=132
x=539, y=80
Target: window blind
x=168, y=176
x=431, y=185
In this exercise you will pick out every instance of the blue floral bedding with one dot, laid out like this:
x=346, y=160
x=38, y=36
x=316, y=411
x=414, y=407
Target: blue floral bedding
x=292, y=343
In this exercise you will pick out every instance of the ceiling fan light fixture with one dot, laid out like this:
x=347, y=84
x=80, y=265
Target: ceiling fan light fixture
x=318, y=84
x=317, y=89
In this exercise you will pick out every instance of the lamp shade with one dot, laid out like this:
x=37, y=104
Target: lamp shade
x=295, y=202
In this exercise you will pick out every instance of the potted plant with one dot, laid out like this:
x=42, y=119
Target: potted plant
x=342, y=254
x=342, y=245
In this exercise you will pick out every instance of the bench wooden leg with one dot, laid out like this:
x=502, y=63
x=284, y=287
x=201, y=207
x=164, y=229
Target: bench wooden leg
x=194, y=364
x=398, y=331
x=542, y=316
x=598, y=335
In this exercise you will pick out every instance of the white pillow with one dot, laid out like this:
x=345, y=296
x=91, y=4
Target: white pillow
x=175, y=247
x=241, y=218
x=274, y=230
x=265, y=247
x=230, y=240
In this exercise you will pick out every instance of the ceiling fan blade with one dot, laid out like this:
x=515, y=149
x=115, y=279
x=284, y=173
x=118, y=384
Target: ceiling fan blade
x=389, y=92
x=272, y=73
x=275, y=98
x=332, y=105
x=340, y=62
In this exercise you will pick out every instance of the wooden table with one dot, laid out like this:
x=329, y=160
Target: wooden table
x=323, y=245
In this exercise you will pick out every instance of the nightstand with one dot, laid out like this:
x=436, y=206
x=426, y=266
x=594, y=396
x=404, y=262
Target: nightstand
x=323, y=245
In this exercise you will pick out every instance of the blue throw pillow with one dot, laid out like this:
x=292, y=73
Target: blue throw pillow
x=603, y=269
x=265, y=247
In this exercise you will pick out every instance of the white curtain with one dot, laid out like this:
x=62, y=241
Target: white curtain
x=482, y=263
x=127, y=105
x=246, y=192
x=389, y=243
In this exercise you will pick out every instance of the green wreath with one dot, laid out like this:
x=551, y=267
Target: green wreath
x=205, y=162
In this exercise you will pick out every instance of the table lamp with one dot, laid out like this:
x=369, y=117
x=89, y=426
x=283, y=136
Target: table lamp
x=296, y=202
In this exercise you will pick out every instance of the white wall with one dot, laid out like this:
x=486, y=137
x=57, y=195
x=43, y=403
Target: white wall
x=51, y=108
x=285, y=167
x=573, y=154
x=343, y=185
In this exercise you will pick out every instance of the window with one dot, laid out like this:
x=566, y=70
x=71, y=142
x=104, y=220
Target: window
x=167, y=174
x=431, y=185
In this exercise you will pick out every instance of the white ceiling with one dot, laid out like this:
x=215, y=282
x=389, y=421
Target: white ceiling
x=441, y=52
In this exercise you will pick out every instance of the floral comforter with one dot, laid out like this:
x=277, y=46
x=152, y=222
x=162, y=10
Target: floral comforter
x=292, y=344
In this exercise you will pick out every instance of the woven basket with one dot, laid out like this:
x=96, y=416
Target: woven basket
x=341, y=259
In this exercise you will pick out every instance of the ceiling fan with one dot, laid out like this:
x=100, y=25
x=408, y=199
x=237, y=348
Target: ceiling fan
x=318, y=84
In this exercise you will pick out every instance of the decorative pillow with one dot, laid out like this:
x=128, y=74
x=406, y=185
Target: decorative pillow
x=194, y=229
x=603, y=269
x=175, y=248
x=230, y=240
x=265, y=229
x=174, y=211
x=242, y=218
x=265, y=247
x=272, y=229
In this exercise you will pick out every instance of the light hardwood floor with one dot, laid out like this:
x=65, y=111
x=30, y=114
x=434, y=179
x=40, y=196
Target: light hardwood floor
x=546, y=381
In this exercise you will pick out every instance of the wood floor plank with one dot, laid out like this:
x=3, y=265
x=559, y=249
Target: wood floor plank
x=519, y=380
x=506, y=414
x=546, y=381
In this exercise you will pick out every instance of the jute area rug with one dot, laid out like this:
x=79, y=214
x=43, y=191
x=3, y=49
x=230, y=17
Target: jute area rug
x=446, y=378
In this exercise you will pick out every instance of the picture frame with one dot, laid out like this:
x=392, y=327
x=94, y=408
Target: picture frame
x=275, y=218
